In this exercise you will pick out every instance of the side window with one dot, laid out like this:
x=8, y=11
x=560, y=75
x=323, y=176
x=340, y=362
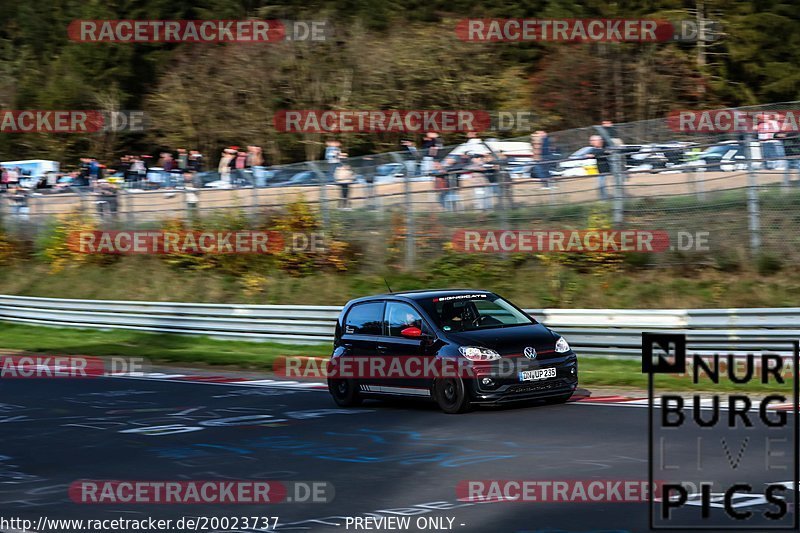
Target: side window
x=365, y=319
x=400, y=316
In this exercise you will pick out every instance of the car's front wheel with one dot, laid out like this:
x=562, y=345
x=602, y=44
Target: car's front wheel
x=451, y=395
x=344, y=392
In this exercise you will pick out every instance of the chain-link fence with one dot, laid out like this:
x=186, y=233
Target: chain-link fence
x=717, y=196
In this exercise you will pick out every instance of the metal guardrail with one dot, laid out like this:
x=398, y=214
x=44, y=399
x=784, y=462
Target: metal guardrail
x=595, y=332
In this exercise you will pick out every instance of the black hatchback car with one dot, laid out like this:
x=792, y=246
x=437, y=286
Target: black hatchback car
x=458, y=347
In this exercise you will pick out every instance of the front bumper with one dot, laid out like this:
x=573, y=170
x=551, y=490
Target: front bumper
x=508, y=388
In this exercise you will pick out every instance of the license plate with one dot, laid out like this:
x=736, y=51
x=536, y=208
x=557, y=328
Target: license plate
x=539, y=373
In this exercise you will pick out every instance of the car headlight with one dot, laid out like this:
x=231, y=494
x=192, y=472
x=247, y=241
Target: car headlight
x=562, y=346
x=478, y=354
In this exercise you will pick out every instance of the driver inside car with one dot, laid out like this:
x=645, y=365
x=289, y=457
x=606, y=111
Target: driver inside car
x=452, y=316
x=465, y=315
x=411, y=321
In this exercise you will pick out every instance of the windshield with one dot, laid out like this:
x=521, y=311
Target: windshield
x=721, y=149
x=467, y=312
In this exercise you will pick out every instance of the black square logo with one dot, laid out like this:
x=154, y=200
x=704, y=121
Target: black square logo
x=663, y=353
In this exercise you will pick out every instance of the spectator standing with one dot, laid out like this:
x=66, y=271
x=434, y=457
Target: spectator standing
x=333, y=156
x=19, y=202
x=431, y=146
x=169, y=165
x=344, y=177
x=124, y=167
x=240, y=167
x=454, y=168
x=790, y=138
x=611, y=130
x=412, y=157
x=603, y=167
x=255, y=165
x=492, y=174
x=108, y=202
x=13, y=177
x=182, y=163
x=183, y=160
x=195, y=161
x=138, y=171
x=772, y=150
x=440, y=180
x=542, y=155
x=94, y=171
x=473, y=138
x=224, y=167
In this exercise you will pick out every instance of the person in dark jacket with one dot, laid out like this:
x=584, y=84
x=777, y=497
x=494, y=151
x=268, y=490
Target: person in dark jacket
x=791, y=144
x=542, y=155
x=603, y=166
x=431, y=146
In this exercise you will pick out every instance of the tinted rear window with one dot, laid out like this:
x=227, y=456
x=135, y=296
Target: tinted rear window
x=365, y=319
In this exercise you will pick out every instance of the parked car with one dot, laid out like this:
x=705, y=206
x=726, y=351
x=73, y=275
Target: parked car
x=509, y=148
x=306, y=177
x=500, y=352
x=727, y=156
x=660, y=157
x=389, y=172
x=582, y=162
x=281, y=176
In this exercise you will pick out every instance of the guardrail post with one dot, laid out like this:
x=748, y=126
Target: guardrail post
x=753, y=210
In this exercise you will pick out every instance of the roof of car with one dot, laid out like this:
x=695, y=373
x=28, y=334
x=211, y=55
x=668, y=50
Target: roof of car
x=422, y=294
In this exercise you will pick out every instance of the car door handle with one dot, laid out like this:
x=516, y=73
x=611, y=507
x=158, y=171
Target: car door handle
x=382, y=348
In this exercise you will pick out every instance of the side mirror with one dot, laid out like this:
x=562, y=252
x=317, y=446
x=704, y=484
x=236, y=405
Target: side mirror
x=412, y=332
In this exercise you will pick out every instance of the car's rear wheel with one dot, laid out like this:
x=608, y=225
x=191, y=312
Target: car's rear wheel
x=344, y=392
x=451, y=395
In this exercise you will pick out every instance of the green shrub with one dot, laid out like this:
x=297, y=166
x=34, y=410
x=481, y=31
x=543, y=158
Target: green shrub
x=768, y=264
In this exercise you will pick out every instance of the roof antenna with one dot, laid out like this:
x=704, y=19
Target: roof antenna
x=387, y=285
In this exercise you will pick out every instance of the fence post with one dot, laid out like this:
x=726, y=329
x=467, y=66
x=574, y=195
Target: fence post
x=754, y=215
x=411, y=246
x=503, y=186
x=254, y=200
x=787, y=174
x=619, y=187
x=192, y=201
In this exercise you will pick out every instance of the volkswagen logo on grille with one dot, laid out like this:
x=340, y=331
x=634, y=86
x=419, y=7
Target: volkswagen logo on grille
x=529, y=352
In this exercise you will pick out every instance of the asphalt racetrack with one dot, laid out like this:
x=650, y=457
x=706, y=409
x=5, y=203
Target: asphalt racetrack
x=383, y=459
